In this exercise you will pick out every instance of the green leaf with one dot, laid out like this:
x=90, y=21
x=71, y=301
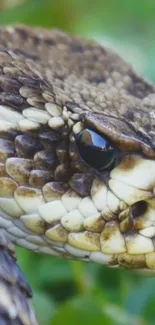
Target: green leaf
x=141, y=296
x=81, y=311
x=44, y=306
x=54, y=270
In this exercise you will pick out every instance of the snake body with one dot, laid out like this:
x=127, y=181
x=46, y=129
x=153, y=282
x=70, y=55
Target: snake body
x=52, y=86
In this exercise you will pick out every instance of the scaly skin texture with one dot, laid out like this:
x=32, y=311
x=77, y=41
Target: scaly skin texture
x=52, y=86
x=15, y=292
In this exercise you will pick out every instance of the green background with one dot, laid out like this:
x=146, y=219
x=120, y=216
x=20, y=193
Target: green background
x=76, y=293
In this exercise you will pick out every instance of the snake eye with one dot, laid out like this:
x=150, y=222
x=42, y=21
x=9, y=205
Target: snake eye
x=95, y=149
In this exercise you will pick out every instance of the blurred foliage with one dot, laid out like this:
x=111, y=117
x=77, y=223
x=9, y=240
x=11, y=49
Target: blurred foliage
x=7, y=4
x=75, y=292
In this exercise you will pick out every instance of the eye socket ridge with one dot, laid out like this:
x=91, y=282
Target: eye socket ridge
x=95, y=149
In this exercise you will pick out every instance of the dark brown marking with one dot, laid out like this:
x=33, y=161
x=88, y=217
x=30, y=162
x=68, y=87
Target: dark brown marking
x=139, y=208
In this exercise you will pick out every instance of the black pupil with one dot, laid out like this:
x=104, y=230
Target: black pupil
x=95, y=149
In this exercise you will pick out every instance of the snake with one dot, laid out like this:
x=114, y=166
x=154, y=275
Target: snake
x=77, y=150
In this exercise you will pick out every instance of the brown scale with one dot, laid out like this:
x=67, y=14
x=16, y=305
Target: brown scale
x=20, y=65
x=9, y=84
x=54, y=190
x=27, y=145
x=10, y=71
x=19, y=169
x=6, y=149
x=4, y=58
x=46, y=160
x=81, y=183
x=63, y=170
x=62, y=173
x=126, y=220
x=96, y=225
x=2, y=170
x=9, y=134
x=132, y=261
x=36, y=101
x=39, y=178
x=28, y=92
x=62, y=151
x=49, y=139
x=47, y=95
x=37, y=224
x=13, y=100
x=7, y=187
x=30, y=81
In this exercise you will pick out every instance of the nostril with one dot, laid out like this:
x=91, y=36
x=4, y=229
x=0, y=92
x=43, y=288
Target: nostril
x=139, y=208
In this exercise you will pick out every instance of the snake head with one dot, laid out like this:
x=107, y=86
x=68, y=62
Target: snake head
x=77, y=150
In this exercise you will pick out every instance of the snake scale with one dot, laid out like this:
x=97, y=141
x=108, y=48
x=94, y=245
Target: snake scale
x=77, y=158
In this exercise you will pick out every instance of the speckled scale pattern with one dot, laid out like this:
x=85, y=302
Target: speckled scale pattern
x=56, y=68
x=15, y=307
x=53, y=85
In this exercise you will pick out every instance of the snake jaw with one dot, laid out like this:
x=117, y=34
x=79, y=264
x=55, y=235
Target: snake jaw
x=137, y=191
x=100, y=227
